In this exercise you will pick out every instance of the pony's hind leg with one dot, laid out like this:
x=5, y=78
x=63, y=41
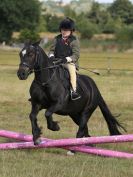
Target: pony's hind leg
x=83, y=129
x=76, y=119
x=36, y=131
x=87, y=135
x=86, y=132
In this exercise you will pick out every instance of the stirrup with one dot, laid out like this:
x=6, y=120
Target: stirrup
x=74, y=95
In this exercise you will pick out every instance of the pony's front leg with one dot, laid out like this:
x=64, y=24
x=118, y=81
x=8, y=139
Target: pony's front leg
x=36, y=131
x=52, y=125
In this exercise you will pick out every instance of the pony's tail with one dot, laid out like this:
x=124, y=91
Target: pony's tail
x=112, y=122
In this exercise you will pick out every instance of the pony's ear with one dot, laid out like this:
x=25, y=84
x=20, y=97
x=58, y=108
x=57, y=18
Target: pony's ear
x=36, y=43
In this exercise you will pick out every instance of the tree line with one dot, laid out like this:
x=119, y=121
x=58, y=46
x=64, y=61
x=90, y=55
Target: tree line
x=27, y=18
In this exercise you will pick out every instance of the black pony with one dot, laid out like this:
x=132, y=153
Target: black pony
x=48, y=91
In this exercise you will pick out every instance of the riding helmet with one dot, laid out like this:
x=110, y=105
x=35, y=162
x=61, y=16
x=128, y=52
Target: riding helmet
x=67, y=24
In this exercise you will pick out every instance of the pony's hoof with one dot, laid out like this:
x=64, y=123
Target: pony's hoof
x=54, y=127
x=70, y=153
x=37, y=141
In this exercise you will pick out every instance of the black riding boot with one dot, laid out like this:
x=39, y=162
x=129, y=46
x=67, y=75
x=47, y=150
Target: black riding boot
x=74, y=95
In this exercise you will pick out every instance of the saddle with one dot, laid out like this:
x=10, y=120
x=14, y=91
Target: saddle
x=65, y=79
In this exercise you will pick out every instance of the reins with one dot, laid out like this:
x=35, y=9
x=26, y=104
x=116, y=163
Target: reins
x=45, y=68
x=49, y=67
x=45, y=83
x=55, y=66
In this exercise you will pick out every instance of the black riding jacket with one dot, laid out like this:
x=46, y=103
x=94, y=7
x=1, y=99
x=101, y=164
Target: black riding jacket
x=69, y=48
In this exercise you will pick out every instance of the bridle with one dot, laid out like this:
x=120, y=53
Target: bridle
x=36, y=63
x=31, y=67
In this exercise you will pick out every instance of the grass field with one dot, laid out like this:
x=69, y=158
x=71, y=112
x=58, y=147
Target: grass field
x=117, y=90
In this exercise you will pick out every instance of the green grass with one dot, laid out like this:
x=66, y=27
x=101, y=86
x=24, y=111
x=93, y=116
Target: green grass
x=117, y=90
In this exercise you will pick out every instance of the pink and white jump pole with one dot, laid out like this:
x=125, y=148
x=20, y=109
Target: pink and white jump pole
x=69, y=143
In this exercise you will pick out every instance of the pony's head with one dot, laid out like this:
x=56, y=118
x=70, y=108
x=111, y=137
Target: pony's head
x=28, y=59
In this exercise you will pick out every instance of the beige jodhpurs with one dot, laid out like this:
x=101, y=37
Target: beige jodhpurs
x=72, y=71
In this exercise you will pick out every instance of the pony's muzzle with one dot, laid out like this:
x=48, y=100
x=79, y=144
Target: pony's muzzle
x=22, y=74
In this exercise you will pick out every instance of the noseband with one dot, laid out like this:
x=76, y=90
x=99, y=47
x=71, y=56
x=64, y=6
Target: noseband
x=25, y=64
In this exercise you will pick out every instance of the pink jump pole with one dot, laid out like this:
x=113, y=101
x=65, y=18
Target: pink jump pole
x=89, y=150
x=71, y=141
x=48, y=143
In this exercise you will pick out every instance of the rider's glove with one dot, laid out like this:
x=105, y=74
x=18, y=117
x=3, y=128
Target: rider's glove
x=60, y=60
x=69, y=59
x=64, y=60
x=52, y=58
x=57, y=61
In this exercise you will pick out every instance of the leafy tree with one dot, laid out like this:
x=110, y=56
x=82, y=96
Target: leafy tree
x=68, y=12
x=27, y=34
x=86, y=28
x=16, y=15
x=42, y=24
x=94, y=14
x=122, y=9
x=98, y=15
x=125, y=34
x=112, y=25
x=53, y=22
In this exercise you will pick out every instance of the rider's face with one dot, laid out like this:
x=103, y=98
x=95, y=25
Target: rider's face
x=65, y=33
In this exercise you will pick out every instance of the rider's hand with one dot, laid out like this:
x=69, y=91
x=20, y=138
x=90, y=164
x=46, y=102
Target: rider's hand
x=52, y=58
x=57, y=61
x=64, y=60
